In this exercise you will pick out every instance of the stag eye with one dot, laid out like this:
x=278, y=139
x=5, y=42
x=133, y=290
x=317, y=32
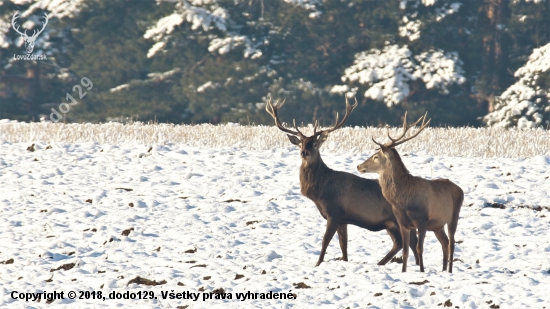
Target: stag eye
x=315, y=145
x=375, y=157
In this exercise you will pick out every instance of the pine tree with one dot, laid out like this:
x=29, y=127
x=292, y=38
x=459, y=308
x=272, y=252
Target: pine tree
x=524, y=102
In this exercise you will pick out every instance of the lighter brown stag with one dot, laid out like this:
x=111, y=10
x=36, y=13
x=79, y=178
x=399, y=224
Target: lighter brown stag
x=417, y=203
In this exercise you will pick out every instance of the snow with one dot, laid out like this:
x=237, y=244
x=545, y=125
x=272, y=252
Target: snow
x=165, y=25
x=410, y=28
x=205, y=86
x=225, y=45
x=440, y=70
x=308, y=5
x=339, y=89
x=119, y=88
x=56, y=8
x=447, y=9
x=5, y=27
x=153, y=78
x=205, y=15
x=388, y=71
x=208, y=15
x=204, y=218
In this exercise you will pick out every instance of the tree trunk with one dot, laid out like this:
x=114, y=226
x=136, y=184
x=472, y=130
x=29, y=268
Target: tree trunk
x=34, y=92
x=496, y=51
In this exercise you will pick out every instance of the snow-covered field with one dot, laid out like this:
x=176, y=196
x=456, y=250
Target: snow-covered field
x=203, y=219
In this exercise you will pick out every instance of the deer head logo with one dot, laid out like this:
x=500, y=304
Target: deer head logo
x=29, y=40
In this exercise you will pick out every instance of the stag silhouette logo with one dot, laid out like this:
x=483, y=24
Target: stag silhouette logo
x=29, y=40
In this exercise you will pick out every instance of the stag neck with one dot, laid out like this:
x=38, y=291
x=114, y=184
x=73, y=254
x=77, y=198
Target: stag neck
x=314, y=166
x=313, y=177
x=396, y=171
x=396, y=189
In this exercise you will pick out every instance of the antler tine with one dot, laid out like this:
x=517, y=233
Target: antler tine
x=296, y=128
x=269, y=108
x=405, y=129
x=35, y=33
x=400, y=140
x=377, y=143
x=16, y=16
x=272, y=110
x=337, y=125
x=315, y=126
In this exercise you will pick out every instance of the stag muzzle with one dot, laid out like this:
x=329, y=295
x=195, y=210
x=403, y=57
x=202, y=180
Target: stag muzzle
x=363, y=168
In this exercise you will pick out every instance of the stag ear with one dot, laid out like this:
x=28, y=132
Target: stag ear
x=321, y=139
x=294, y=140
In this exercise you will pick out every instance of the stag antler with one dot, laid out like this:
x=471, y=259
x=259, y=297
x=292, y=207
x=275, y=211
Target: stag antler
x=337, y=125
x=272, y=110
x=16, y=16
x=400, y=139
x=35, y=34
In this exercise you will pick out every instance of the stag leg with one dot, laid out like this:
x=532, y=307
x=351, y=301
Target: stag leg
x=332, y=226
x=420, y=245
x=395, y=235
x=414, y=243
x=444, y=241
x=343, y=239
x=451, y=228
x=405, y=234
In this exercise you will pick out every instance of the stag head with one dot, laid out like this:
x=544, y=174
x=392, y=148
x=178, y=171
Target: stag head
x=381, y=160
x=29, y=40
x=378, y=162
x=309, y=145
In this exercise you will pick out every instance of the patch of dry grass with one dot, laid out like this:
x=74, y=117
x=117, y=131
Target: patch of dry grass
x=460, y=142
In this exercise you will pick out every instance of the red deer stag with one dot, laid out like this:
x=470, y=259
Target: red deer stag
x=341, y=198
x=417, y=203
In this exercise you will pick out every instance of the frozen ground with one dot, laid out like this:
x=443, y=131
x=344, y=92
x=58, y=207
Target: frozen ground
x=205, y=219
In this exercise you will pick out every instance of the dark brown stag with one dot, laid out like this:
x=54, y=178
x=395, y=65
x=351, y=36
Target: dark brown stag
x=341, y=198
x=417, y=203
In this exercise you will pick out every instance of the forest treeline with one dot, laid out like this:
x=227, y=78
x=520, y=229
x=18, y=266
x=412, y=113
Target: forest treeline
x=465, y=62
